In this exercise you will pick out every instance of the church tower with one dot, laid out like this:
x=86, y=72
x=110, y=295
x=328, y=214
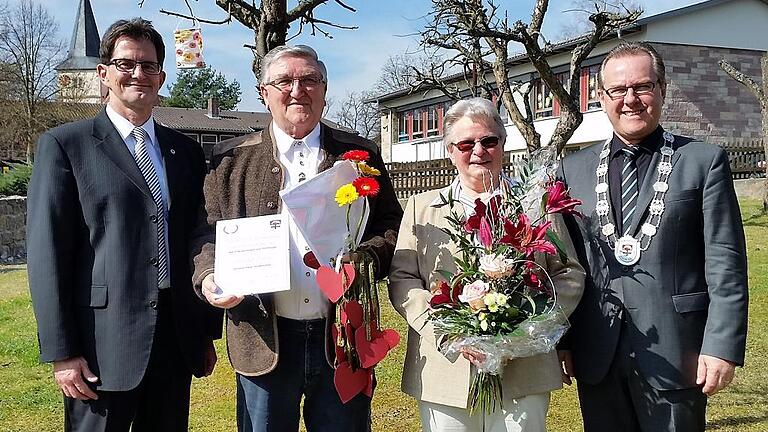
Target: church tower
x=78, y=80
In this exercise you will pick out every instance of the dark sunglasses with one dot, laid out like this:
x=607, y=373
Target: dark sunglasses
x=487, y=142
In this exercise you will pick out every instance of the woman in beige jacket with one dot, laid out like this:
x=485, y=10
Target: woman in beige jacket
x=474, y=137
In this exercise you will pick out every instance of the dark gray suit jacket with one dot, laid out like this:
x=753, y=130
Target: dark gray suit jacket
x=91, y=240
x=688, y=293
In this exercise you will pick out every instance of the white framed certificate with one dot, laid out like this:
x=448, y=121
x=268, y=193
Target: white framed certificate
x=252, y=255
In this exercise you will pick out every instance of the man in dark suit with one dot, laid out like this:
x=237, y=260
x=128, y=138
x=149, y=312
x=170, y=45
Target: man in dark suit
x=111, y=204
x=246, y=176
x=663, y=320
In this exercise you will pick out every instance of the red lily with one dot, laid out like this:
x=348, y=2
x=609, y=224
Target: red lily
x=444, y=295
x=560, y=201
x=527, y=238
x=482, y=211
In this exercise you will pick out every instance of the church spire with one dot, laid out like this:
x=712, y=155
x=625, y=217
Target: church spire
x=84, y=46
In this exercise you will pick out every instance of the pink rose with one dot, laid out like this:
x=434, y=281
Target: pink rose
x=473, y=294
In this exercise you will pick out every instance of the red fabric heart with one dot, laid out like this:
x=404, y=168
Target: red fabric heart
x=369, y=388
x=310, y=260
x=352, y=313
x=350, y=332
x=332, y=284
x=349, y=383
x=370, y=352
x=392, y=337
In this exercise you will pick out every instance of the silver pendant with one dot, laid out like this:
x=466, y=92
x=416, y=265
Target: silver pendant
x=627, y=250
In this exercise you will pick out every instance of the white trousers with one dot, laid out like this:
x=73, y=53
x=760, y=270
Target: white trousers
x=526, y=414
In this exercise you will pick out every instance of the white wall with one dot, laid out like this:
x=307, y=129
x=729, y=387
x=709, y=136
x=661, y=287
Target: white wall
x=732, y=24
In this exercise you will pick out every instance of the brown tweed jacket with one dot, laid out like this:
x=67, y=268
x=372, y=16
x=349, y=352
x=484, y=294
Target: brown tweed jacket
x=244, y=180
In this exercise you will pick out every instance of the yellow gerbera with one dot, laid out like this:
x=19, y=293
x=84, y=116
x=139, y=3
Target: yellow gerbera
x=368, y=170
x=346, y=194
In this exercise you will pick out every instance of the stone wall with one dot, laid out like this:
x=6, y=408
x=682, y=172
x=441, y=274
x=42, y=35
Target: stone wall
x=13, y=214
x=703, y=101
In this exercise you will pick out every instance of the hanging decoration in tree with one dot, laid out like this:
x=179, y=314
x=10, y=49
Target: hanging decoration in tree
x=189, y=48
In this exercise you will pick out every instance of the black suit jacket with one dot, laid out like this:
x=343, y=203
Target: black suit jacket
x=688, y=293
x=91, y=241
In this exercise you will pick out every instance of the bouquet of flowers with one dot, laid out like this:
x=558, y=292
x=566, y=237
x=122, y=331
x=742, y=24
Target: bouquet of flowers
x=500, y=304
x=350, y=283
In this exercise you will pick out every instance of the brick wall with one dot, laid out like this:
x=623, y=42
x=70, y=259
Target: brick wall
x=13, y=214
x=702, y=101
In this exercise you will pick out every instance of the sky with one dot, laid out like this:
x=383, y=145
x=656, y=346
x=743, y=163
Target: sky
x=353, y=57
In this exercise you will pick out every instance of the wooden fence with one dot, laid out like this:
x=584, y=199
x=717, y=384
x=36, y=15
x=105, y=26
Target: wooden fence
x=746, y=157
x=410, y=178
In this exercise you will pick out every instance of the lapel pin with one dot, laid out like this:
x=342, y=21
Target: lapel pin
x=173, y=151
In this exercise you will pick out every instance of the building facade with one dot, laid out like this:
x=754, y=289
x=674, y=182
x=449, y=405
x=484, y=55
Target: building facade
x=702, y=101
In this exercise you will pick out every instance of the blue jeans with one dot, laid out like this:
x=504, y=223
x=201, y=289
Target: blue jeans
x=270, y=402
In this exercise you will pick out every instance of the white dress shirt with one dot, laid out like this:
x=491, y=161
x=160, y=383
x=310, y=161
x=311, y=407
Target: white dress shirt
x=125, y=128
x=300, y=158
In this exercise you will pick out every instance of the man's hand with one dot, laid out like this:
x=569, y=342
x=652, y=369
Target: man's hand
x=566, y=366
x=210, y=358
x=714, y=373
x=212, y=292
x=69, y=376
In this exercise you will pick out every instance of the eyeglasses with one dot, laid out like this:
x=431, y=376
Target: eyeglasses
x=487, y=142
x=128, y=65
x=638, y=89
x=285, y=84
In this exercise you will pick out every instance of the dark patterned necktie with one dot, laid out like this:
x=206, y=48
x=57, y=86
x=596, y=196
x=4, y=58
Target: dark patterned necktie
x=150, y=176
x=629, y=187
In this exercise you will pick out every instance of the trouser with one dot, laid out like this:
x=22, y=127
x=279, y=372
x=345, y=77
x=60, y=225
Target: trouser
x=524, y=414
x=624, y=401
x=271, y=402
x=159, y=403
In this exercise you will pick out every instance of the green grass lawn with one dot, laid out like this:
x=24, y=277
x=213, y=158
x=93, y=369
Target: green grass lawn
x=29, y=400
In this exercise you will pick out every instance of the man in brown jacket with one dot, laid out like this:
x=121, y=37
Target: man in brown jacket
x=246, y=176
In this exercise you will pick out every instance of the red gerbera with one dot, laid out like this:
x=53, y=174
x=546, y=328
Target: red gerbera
x=356, y=155
x=366, y=186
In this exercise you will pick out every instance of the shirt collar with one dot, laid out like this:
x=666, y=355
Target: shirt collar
x=285, y=141
x=456, y=193
x=648, y=145
x=125, y=127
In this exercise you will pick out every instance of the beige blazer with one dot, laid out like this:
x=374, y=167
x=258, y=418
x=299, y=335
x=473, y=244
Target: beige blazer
x=423, y=248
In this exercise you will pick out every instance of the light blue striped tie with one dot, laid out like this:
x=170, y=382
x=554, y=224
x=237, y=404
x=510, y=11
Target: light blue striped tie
x=629, y=188
x=150, y=176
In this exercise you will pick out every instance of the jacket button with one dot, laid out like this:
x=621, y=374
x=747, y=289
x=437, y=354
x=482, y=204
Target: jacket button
x=153, y=261
x=271, y=204
x=153, y=304
x=275, y=170
x=626, y=269
x=153, y=218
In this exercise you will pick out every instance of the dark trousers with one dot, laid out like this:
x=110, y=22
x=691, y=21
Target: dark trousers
x=159, y=403
x=624, y=401
x=270, y=402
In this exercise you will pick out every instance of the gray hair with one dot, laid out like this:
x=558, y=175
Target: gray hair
x=478, y=109
x=291, y=51
x=627, y=49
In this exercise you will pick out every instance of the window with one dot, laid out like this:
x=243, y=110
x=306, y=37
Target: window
x=193, y=136
x=591, y=99
x=225, y=137
x=208, y=141
x=432, y=122
x=543, y=102
x=417, y=124
x=402, y=126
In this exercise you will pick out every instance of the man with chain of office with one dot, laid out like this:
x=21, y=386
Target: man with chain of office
x=663, y=320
